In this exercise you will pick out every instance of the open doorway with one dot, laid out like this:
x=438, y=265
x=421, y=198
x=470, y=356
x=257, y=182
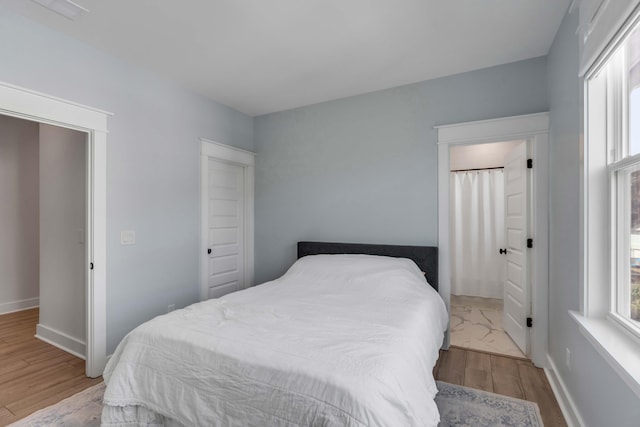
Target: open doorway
x=534, y=129
x=26, y=104
x=43, y=224
x=479, y=282
x=43, y=221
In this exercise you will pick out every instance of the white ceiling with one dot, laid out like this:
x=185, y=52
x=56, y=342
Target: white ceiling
x=260, y=56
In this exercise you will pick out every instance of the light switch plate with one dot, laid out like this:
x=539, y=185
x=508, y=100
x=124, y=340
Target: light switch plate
x=127, y=237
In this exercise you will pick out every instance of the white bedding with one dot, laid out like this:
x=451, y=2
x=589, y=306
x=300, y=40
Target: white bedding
x=339, y=340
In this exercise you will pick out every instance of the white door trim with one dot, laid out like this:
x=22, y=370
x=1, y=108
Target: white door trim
x=535, y=129
x=30, y=105
x=245, y=159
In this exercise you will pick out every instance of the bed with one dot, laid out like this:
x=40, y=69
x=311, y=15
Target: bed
x=347, y=337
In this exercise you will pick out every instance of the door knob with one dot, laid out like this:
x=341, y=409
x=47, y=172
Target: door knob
x=503, y=251
x=209, y=251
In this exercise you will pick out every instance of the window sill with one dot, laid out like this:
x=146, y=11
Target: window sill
x=617, y=346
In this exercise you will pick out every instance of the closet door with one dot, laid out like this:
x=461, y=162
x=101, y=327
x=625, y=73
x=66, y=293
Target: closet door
x=516, y=288
x=225, y=228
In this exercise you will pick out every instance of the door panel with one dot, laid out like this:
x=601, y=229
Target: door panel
x=223, y=290
x=224, y=236
x=216, y=222
x=220, y=206
x=223, y=264
x=516, y=289
x=225, y=228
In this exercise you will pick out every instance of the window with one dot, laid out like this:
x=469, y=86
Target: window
x=610, y=217
x=617, y=87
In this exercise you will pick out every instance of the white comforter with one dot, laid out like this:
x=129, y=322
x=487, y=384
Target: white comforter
x=339, y=340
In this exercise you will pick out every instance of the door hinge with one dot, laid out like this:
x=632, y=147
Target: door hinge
x=529, y=163
x=90, y=266
x=529, y=243
x=529, y=322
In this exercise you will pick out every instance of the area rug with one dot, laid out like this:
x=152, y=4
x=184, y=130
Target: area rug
x=459, y=406
x=80, y=410
x=463, y=406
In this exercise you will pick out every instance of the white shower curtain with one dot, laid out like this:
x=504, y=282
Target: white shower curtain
x=477, y=207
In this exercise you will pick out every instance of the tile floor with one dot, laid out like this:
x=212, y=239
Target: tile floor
x=476, y=323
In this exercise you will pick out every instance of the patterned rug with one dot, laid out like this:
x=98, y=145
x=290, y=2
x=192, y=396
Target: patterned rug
x=81, y=409
x=459, y=406
x=463, y=406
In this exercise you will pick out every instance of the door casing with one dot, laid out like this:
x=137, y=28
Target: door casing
x=26, y=104
x=534, y=128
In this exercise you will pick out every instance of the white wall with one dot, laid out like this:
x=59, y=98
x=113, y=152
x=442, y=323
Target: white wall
x=62, y=236
x=19, y=256
x=480, y=156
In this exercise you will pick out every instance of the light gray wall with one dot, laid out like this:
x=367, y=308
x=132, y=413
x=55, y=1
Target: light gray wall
x=19, y=256
x=152, y=161
x=364, y=169
x=62, y=230
x=601, y=396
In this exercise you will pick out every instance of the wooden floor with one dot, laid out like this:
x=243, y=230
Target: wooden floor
x=504, y=375
x=33, y=374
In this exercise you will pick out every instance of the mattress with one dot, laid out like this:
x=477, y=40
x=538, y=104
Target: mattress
x=339, y=340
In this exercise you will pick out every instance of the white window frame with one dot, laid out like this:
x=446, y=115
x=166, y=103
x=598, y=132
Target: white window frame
x=619, y=161
x=619, y=244
x=613, y=336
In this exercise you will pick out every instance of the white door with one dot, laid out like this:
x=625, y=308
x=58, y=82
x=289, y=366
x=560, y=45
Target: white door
x=225, y=228
x=516, y=287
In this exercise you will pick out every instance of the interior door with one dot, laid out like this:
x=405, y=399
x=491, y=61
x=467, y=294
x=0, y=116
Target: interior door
x=225, y=228
x=516, y=287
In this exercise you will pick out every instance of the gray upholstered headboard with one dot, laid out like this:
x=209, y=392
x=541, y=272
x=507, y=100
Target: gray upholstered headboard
x=426, y=257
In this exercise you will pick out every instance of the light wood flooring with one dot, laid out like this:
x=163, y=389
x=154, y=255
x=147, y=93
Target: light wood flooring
x=33, y=374
x=504, y=375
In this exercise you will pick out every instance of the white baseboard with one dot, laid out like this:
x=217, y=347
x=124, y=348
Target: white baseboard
x=25, y=304
x=567, y=406
x=61, y=340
